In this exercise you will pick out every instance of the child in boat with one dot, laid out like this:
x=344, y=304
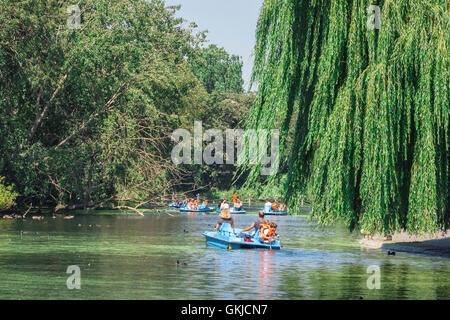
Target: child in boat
x=267, y=230
x=273, y=228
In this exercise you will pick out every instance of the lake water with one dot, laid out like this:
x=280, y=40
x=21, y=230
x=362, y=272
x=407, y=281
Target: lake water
x=131, y=257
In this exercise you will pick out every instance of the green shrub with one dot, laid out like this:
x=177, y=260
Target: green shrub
x=7, y=196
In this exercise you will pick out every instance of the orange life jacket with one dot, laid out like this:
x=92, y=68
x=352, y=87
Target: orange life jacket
x=266, y=235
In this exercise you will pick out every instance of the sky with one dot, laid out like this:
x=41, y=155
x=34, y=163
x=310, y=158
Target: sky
x=231, y=25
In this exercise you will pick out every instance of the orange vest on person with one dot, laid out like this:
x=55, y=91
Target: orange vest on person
x=235, y=198
x=266, y=235
x=274, y=205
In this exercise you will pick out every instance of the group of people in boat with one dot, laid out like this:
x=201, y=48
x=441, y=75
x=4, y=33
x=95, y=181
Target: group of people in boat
x=190, y=203
x=267, y=229
x=237, y=204
x=274, y=206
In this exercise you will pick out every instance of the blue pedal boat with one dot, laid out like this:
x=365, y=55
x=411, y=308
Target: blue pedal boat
x=207, y=209
x=232, y=211
x=225, y=238
x=174, y=205
x=274, y=213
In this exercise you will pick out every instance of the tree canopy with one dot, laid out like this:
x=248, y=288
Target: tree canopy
x=369, y=108
x=86, y=113
x=218, y=71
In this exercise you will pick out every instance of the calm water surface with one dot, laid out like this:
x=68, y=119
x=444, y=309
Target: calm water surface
x=129, y=257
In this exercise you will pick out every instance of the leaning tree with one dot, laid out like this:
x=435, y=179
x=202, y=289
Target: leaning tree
x=360, y=91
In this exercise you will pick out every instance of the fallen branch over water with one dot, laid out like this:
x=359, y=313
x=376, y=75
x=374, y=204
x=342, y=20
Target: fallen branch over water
x=129, y=208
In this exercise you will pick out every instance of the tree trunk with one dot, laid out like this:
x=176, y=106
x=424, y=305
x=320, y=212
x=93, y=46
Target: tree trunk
x=88, y=191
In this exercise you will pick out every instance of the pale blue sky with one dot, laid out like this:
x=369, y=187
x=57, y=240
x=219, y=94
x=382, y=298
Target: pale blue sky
x=231, y=25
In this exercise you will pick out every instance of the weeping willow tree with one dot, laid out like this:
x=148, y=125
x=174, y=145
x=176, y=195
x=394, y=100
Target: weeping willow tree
x=367, y=108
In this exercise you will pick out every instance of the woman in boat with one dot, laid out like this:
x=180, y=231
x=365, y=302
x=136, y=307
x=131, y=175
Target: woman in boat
x=222, y=204
x=225, y=217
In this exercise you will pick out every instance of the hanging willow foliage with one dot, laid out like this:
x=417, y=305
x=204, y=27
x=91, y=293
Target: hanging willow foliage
x=371, y=138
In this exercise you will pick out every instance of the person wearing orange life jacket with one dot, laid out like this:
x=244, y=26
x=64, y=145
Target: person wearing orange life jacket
x=235, y=197
x=275, y=206
x=204, y=205
x=191, y=204
x=267, y=230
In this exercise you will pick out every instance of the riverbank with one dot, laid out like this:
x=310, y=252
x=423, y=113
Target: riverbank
x=401, y=241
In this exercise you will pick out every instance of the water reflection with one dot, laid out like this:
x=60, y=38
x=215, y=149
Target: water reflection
x=265, y=274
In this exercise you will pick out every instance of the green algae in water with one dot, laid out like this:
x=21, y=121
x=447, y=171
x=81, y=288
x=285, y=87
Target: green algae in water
x=133, y=257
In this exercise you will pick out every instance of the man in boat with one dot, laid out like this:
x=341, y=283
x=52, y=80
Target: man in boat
x=257, y=224
x=225, y=217
x=268, y=206
x=234, y=197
